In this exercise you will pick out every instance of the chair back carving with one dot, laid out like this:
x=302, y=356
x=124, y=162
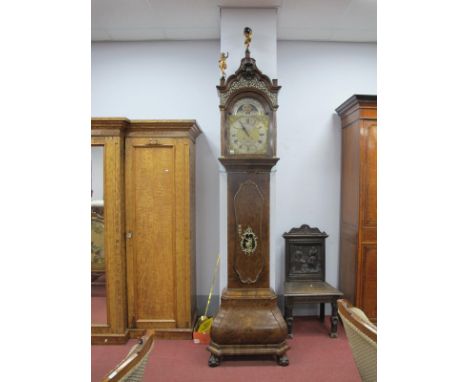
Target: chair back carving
x=305, y=254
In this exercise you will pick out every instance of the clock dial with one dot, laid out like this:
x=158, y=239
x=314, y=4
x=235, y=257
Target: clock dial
x=248, y=128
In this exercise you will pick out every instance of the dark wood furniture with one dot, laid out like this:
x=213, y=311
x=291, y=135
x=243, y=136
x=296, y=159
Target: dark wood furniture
x=358, y=241
x=132, y=367
x=249, y=321
x=305, y=275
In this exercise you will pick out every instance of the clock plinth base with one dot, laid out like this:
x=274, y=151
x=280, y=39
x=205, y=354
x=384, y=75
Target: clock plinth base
x=248, y=323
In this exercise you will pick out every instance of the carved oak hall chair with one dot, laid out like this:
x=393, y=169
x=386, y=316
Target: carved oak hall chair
x=305, y=275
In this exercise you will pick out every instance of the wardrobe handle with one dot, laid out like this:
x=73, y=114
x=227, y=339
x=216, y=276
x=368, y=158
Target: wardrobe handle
x=129, y=234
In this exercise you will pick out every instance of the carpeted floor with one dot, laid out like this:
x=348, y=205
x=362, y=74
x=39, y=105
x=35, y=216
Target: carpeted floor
x=98, y=310
x=313, y=357
x=98, y=301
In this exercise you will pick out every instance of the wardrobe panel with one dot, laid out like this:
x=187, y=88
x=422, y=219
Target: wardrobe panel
x=370, y=174
x=358, y=236
x=368, y=292
x=153, y=237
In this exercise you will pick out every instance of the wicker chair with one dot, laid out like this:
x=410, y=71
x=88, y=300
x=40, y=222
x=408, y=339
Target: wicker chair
x=132, y=368
x=362, y=337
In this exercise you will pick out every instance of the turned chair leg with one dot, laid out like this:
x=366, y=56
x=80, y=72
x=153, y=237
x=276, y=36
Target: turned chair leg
x=288, y=317
x=334, y=320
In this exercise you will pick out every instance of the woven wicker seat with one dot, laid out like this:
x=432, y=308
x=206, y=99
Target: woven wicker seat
x=132, y=367
x=362, y=337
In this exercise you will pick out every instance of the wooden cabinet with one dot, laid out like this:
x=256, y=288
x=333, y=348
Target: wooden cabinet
x=160, y=216
x=358, y=238
x=109, y=133
x=157, y=232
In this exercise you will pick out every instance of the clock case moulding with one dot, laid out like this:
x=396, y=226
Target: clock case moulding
x=249, y=321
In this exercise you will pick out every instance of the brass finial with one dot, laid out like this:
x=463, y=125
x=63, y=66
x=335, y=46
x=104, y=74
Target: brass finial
x=248, y=38
x=222, y=63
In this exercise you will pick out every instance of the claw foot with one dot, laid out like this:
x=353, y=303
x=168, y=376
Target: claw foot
x=283, y=360
x=213, y=361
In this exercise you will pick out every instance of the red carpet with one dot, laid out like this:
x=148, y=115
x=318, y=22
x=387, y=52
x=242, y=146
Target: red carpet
x=313, y=357
x=98, y=301
x=98, y=310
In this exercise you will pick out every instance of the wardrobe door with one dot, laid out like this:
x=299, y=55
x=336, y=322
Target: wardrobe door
x=368, y=251
x=151, y=232
x=109, y=322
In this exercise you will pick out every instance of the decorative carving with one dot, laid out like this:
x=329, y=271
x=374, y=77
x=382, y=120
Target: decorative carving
x=305, y=253
x=248, y=38
x=248, y=240
x=246, y=82
x=305, y=259
x=248, y=77
x=222, y=63
x=304, y=229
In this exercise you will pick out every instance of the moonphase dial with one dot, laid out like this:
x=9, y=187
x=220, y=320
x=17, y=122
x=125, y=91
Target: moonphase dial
x=248, y=128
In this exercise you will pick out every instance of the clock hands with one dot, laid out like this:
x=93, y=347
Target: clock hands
x=243, y=128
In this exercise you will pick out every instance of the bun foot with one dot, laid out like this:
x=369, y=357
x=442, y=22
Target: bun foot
x=282, y=360
x=213, y=361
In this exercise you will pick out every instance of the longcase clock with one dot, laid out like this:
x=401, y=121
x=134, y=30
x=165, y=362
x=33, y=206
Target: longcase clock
x=249, y=321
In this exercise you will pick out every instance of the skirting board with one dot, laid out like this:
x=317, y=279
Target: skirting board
x=109, y=338
x=164, y=334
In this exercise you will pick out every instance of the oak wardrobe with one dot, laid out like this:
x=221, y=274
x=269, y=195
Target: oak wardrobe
x=159, y=232
x=358, y=241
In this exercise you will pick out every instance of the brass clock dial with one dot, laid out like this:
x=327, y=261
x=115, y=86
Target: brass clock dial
x=248, y=128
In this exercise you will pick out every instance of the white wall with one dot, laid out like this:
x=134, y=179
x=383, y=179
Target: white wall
x=97, y=172
x=263, y=48
x=315, y=78
x=177, y=80
x=169, y=80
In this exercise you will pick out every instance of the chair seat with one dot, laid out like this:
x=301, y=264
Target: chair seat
x=311, y=292
x=310, y=288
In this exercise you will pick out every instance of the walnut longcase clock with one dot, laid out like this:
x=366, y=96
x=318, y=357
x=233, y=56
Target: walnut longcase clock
x=249, y=321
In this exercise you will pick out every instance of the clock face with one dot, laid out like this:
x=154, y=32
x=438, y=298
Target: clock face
x=248, y=128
